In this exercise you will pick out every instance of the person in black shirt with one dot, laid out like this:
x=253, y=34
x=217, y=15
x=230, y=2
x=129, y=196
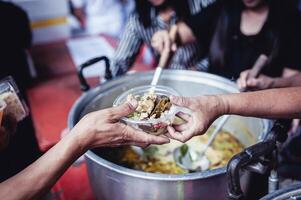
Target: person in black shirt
x=236, y=33
x=15, y=39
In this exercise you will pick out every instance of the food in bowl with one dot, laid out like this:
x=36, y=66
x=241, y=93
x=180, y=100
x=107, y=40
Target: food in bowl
x=153, y=113
x=150, y=106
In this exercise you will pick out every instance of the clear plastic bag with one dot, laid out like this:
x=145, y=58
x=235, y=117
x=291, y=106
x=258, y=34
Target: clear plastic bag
x=15, y=105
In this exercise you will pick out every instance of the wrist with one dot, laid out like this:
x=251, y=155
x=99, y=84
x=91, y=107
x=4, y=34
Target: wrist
x=223, y=105
x=273, y=83
x=81, y=138
x=216, y=104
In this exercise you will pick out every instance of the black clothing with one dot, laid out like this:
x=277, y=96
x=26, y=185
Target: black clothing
x=15, y=37
x=231, y=52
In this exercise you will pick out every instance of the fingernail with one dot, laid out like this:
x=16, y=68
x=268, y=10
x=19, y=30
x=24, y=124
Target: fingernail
x=133, y=103
x=172, y=98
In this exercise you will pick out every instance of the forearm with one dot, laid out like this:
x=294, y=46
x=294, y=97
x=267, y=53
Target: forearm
x=274, y=103
x=39, y=177
x=292, y=81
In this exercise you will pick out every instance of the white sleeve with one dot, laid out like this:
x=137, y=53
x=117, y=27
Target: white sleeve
x=77, y=3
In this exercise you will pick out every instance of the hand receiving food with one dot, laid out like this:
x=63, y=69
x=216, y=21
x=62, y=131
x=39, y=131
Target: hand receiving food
x=204, y=110
x=260, y=83
x=102, y=128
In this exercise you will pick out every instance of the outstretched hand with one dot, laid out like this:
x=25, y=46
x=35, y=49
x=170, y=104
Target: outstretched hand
x=103, y=128
x=204, y=110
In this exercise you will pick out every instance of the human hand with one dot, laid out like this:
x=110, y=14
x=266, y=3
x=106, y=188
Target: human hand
x=161, y=41
x=260, y=83
x=81, y=17
x=102, y=128
x=204, y=110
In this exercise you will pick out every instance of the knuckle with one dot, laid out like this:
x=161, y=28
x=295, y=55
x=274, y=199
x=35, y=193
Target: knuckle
x=125, y=134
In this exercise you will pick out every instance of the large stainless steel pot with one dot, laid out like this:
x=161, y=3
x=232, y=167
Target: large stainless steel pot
x=111, y=181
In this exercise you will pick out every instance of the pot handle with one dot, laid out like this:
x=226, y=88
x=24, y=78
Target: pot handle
x=83, y=82
x=251, y=155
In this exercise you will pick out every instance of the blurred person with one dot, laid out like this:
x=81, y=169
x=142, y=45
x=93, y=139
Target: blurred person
x=236, y=33
x=15, y=40
x=149, y=17
x=97, y=129
x=102, y=16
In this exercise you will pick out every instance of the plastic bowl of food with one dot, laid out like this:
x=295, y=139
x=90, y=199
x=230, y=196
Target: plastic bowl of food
x=154, y=111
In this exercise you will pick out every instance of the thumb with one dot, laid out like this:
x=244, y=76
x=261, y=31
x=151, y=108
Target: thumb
x=174, y=47
x=124, y=109
x=181, y=101
x=252, y=82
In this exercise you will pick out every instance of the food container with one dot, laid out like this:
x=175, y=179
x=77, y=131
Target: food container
x=151, y=126
x=2, y=109
x=9, y=93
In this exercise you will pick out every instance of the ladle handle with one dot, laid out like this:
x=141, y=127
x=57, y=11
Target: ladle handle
x=83, y=82
x=219, y=126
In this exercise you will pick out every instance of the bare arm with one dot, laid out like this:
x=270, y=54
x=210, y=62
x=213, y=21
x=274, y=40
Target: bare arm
x=101, y=128
x=274, y=103
x=292, y=81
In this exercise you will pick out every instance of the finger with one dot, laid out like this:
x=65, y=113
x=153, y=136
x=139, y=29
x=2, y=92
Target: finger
x=155, y=44
x=160, y=46
x=124, y=109
x=239, y=84
x=180, y=136
x=243, y=78
x=177, y=136
x=166, y=42
x=253, y=82
x=167, y=133
x=184, y=116
x=181, y=101
x=142, y=137
x=143, y=145
x=174, y=47
x=118, y=144
x=180, y=128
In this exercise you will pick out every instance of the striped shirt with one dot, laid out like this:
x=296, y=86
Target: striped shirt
x=136, y=34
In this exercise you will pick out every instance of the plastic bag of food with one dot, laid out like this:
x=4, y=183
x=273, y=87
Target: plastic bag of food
x=15, y=105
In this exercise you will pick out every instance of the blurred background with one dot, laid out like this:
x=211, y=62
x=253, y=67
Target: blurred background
x=42, y=45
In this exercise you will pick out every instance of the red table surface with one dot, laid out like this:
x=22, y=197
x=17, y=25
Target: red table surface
x=51, y=99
